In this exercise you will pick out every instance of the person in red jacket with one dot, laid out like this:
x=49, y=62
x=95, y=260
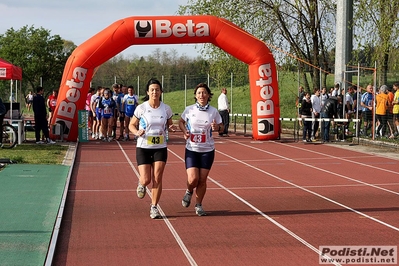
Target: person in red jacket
x=51, y=103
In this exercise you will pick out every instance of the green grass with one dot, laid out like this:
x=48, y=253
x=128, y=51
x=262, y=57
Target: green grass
x=28, y=153
x=240, y=98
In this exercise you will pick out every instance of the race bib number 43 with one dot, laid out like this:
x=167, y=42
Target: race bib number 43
x=198, y=138
x=154, y=140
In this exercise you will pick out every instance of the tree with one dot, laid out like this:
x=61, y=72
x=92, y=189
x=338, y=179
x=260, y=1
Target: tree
x=302, y=28
x=378, y=21
x=41, y=56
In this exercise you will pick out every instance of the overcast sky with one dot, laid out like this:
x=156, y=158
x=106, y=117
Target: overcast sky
x=79, y=20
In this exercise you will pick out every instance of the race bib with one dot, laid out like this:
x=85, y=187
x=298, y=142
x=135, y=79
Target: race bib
x=155, y=140
x=107, y=110
x=197, y=138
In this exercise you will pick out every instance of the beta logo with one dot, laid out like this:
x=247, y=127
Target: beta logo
x=266, y=126
x=65, y=126
x=165, y=29
x=143, y=28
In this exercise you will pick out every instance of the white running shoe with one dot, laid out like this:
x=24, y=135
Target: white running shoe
x=187, y=199
x=154, y=212
x=140, y=191
x=49, y=141
x=40, y=142
x=199, y=210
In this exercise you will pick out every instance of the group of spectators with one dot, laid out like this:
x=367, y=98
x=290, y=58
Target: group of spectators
x=43, y=110
x=338, y=104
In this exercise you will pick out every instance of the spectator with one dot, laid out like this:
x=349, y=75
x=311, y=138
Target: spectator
x=306, y=114
x=316, y=108
x=348, y=108
x=381, y=110
x=367, y=108
x=29, y=100
x=2, y=114
x=357, y=110
x=395, y=109
x=12, y=98
x=301, y=95
x=390, y=122
x=323, y=96
x=336, y=90
x=40, y=116
x=329, y=110
x=224, y=110
x=51, y=104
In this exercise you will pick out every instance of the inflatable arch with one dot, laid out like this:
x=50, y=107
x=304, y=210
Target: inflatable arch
x=143, y=30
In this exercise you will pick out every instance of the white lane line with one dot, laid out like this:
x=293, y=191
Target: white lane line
x=165, y=218
x=285, y=229
x=312, y=192
x=343, y=159
x=319, y=169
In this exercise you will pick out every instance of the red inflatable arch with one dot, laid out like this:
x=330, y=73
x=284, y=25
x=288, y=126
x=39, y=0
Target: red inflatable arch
x=143, y=30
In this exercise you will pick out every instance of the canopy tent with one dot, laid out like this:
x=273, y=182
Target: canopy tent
x=11, y=72
x=8, y=71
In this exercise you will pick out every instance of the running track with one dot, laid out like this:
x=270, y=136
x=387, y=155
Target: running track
x=268, y=203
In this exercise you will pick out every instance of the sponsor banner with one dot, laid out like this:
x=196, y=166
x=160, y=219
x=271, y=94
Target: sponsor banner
x=83, y=126
x=264, y=98
x=371, y=255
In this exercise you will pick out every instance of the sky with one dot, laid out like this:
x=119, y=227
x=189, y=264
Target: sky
x=79, y=20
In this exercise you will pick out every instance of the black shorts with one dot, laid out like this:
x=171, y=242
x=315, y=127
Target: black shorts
x=367, y=116
x=122, y=117
x=148, y=156
x=199, y=160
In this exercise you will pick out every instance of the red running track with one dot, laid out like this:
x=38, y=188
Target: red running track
x=268, y=203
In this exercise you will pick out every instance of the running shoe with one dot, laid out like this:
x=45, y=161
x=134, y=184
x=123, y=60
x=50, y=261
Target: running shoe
x=49, y=141
x=187, y=199
x=40, y=142
x=154, y=212
x=199, y=210
x=140, y=191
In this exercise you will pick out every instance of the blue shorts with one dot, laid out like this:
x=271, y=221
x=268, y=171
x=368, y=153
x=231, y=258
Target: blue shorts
x=200, y=160
x=149, y=156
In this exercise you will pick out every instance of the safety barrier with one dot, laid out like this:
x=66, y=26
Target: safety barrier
x=339, y=123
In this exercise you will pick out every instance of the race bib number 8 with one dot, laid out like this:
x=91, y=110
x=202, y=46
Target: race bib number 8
x=154, y=140
x=198, y=138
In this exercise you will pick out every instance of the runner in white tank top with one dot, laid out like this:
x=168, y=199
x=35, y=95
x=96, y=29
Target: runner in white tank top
x=150, y=121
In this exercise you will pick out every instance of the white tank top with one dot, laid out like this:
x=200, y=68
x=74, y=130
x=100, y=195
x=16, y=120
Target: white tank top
x=154, y=122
